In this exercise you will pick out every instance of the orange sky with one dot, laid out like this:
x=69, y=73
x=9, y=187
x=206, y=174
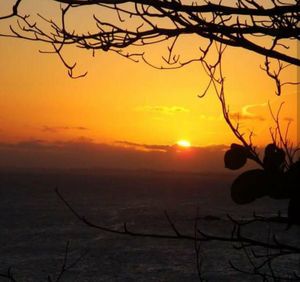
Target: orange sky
x=123, y=101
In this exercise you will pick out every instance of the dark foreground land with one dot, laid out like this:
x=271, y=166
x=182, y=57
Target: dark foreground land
x=36, y=225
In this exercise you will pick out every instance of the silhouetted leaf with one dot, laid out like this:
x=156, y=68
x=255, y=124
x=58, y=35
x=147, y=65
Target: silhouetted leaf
x=294, y=210
x=277, y=184
x=236, y=157
x=249, y=186
x=274, y=158
x=293, y=178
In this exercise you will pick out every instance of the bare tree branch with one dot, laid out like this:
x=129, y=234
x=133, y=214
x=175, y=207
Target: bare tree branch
x=251, y=246
x=139, y=23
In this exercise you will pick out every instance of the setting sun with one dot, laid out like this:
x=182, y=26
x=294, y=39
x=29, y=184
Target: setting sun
x=184, y=143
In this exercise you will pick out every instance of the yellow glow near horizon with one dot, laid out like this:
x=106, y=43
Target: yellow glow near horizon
x=184, y=143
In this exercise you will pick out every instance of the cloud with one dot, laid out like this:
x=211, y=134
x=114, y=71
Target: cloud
x=247, y=113
x=27, y=144
x=163, y=109
x=167, y=148
x=288, y=119
x=211, y=117
x=39, y=144
x=85, y=153
x=146, y=147
x=238, y=116
x=55, y=129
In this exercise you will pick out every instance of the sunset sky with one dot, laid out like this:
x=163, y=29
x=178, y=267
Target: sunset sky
x=125, y=114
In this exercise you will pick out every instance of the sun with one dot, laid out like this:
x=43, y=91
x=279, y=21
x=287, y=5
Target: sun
x=184, y=143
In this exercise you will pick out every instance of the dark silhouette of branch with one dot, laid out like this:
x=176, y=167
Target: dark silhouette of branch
x=275, y=249
x=275, y=75
x=65, y=267
x=217, y=82
x=198, y=250
x=236, y=236
x=125, y=230
x=8, y=275
x=14, y=11
x=281, y=138
x=139, y=23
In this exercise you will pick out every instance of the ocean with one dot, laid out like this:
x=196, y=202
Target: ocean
x=36, y=226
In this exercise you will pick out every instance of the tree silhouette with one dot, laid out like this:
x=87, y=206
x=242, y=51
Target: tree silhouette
x=268, y=28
